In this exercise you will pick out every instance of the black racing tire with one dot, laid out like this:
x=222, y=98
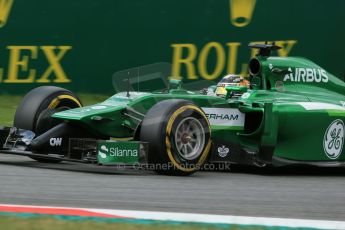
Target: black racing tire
x=35, y=109
x=40, y=99
x=172, y=149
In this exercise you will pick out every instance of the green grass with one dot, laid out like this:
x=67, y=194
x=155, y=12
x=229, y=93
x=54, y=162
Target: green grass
x=39, y=223
x=9, y=103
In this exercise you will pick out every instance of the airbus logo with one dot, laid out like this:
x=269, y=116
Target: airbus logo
x=306, y=75
x=5, y=9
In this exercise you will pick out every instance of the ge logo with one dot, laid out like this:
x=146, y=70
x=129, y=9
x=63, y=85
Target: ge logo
x=333, y=140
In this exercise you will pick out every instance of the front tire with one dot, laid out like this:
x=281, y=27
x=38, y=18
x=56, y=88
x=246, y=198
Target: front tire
x=179, y=137
x=36, y=108
x=40, y=100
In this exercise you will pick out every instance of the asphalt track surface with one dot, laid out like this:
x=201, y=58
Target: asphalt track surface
x=307, y=193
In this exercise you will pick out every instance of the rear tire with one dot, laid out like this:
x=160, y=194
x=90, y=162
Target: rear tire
x=179, y=137
x=35, y=110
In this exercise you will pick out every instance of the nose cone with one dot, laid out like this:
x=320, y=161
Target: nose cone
x=84, y=112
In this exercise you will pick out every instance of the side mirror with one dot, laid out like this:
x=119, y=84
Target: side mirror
x=175, y=84
x=232, y=90
x=256, y=81
x=281, y=72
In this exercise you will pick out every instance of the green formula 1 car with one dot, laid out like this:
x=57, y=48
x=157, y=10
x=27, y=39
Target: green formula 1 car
x=292, y=113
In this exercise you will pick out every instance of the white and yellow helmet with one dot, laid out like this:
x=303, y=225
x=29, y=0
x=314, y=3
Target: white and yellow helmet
x=230, y=80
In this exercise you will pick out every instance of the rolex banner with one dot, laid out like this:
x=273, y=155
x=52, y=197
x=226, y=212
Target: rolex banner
x=80, y=44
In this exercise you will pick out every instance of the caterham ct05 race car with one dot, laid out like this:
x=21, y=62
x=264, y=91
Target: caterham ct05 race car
x=292, y=112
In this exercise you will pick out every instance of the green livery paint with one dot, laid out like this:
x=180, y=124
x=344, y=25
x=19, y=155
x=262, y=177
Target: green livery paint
x=110, y=152
x=285, y=114
x=220, y=127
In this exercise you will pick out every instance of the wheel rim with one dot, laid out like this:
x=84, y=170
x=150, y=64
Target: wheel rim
x=189, y=138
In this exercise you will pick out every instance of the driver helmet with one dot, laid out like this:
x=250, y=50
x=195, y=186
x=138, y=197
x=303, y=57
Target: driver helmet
x=230, y=80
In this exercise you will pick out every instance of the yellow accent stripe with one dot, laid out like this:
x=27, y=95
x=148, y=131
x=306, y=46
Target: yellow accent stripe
x=167, y=141
x=54, y=103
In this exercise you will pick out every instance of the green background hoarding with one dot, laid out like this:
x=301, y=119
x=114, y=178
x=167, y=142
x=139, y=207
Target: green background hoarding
x=80, y=44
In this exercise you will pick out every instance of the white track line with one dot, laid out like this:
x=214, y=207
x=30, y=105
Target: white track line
x=211, y=219
x=226, y=219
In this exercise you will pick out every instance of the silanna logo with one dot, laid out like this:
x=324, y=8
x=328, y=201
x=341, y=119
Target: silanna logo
x=241, y=12
x=5, y=9
x=105, y=151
